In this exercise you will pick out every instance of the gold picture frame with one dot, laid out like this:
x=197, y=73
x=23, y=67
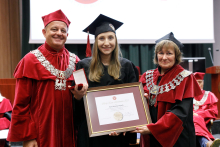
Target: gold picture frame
x=93, y=122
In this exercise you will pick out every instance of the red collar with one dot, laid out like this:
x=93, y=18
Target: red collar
x=168, y=75
x=51, y=50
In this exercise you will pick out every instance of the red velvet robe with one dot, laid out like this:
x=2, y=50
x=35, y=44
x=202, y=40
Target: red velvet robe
x=207, y=110
x=5, y=106
x=169, y=126
x=40, y=112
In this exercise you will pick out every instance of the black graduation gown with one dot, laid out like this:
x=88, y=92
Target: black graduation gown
x=129, y=74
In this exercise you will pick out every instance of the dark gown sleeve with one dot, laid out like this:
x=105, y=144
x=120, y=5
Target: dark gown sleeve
x=79, y=111
x=169, y=127
x=129, y=71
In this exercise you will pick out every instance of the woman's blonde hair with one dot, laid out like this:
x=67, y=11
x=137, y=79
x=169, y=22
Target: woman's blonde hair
x=96, y=68
x=167, y=44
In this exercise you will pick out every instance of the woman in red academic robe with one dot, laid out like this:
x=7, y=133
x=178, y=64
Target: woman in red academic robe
x=170, y=90
x=203, y=111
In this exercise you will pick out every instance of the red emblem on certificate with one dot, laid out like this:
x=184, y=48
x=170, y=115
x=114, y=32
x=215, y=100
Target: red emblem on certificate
x=114, y=98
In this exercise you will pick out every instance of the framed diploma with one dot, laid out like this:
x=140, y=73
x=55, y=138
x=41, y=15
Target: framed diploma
x=118, y=108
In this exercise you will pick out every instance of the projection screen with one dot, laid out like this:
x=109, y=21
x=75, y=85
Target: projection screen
x=191, y=21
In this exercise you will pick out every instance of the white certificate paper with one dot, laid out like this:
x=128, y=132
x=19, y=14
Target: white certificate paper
x=116, y=108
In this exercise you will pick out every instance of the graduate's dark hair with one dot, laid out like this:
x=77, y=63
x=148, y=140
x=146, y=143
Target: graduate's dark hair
x=96, y=68
x=167, y=43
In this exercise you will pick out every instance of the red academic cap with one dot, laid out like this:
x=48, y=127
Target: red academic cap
x=199, y=75
x=55, y=16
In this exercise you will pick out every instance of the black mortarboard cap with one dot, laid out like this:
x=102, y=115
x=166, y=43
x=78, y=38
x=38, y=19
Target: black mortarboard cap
x=103, y=24
x=171, y=37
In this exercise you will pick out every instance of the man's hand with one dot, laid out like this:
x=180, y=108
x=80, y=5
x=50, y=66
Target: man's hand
x=30, y=143
x=78, y=94
x=143, y=130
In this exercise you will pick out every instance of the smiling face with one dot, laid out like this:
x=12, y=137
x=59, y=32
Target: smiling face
x=106, y=43
x=166, y=58
x=55, y=34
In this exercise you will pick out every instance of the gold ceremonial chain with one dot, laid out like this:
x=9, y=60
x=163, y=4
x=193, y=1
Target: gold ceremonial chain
x=155, y=90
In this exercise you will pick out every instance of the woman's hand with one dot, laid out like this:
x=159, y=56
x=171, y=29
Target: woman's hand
x=30, y=143
x=146, y=96
x=78, y=94
x=143, y=130
x=116, y=134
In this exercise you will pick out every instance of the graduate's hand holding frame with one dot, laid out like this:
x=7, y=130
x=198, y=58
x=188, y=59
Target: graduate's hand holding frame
x=79, y=90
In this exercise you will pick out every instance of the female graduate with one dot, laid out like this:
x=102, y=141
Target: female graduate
x=105, y=67
x=170, y=90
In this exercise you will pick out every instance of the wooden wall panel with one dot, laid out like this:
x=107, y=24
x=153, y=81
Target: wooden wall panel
x=10, y=49
x=7, y=88
x=15, y=44
x=5, y=58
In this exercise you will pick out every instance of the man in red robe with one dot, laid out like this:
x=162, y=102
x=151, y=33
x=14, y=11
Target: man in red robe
x=42, y=114
x=203, y=111
x=5, y=116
